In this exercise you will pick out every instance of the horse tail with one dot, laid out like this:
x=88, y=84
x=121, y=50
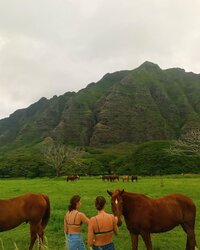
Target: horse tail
x=46, y=216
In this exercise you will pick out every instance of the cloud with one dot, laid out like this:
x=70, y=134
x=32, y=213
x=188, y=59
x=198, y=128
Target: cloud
x=49, y=47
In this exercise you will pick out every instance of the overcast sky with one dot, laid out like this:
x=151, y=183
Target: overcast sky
x=49, y=47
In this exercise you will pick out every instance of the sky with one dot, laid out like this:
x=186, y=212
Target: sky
x=50, y=47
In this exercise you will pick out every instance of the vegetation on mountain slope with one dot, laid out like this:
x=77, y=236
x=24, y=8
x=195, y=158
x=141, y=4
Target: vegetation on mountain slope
x=148, y=108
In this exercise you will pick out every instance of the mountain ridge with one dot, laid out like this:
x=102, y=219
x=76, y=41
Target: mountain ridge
x=143, y=104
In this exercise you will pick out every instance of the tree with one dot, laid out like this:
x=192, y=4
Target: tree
x=188, y=143
x=192, y=138
x=57, y=155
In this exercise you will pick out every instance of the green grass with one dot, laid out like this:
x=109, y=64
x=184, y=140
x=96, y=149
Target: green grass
x=60, y=192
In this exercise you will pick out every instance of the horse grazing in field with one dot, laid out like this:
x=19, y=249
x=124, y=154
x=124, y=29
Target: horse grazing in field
x=134, y=178
x=72, y=178
x=125, y=178
x=105, y=177
x=144, y=215
x=114, y=177
x=32, y=208
x=110, y=177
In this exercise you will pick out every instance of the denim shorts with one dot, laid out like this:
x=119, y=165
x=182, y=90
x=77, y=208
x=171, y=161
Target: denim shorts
x=75, y=242
x=109, y=246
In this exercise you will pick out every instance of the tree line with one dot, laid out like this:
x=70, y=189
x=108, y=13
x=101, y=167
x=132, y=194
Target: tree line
x=52, y=159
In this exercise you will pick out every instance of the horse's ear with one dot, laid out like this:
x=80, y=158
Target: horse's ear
x=122, y=191
x=109, y=192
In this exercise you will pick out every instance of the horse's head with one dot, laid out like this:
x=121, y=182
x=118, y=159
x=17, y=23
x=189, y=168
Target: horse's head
x=117, y=204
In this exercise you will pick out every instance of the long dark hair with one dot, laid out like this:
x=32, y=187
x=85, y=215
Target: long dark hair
x=100, y=202
x=73, y=201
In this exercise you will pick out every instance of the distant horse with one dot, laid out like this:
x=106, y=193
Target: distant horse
x=72, y=177
x=114, y=177
x=32, y=208
x=105, y=177
x=125, y=178
x=144, y=215
x=134, y=178
x=110, y=177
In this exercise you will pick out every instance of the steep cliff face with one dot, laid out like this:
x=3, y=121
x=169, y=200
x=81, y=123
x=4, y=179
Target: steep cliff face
x=80, y=115
x=133, y=106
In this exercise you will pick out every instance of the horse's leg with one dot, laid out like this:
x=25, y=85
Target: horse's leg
x=191, y=242
x=33, y=232
x=41, y=235
x=134, y=240
x=147, y=240
x=36, y=231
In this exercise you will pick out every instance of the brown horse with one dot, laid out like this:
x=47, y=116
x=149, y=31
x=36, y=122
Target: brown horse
x=110, y=177
x=113, y=177
x=72, y=177
x=134, y=178
x=32, y=208
x=144, y=215
x=105, y=177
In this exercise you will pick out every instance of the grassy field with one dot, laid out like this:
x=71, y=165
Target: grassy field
x=60, y=192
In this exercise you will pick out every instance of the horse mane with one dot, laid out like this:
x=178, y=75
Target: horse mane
x=133, y=195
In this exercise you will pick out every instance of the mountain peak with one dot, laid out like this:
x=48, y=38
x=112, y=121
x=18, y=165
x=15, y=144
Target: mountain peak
x=149, y=66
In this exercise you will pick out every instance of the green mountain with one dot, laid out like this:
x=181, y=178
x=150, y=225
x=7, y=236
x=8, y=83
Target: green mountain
x=133, y=106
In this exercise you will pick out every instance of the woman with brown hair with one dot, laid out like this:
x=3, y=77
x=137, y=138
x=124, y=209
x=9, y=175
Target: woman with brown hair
x=72, y=224
x=101, y=227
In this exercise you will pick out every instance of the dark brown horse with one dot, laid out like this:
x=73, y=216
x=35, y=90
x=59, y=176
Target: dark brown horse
x=110, y=177
x=72, y=177
x=134, y=178
x=114, y=177
x=144, y=215
x=32, y=208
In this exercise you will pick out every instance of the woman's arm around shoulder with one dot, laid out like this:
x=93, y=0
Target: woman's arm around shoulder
x=84, y=218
